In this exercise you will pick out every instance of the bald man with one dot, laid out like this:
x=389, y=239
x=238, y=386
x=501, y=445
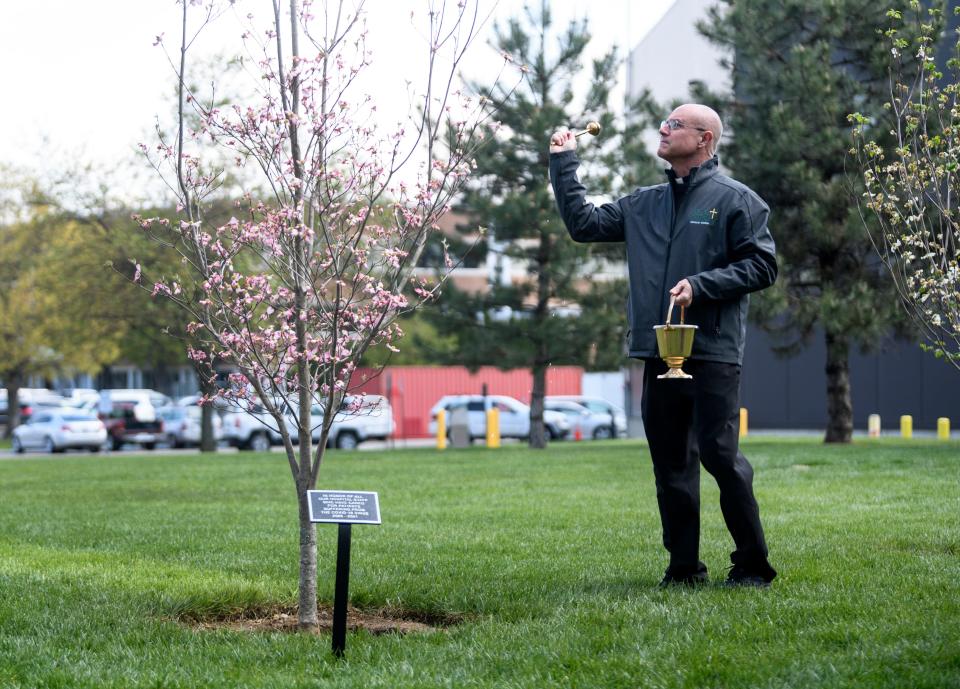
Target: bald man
x=702, y=239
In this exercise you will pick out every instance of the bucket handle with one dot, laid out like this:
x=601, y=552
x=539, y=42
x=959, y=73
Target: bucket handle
x=673, y=300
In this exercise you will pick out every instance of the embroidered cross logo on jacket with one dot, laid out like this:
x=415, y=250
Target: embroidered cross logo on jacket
x=703, y=216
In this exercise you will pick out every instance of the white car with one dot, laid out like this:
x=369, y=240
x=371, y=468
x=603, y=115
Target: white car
x=85, y=398
x=28, y=400
x=361, y=418
x=181, y=425
x=40, y=397
x=586, y=423
x=600, y=406
x=514, y=416
x=145, y=402
x=250, y=428
x=57, y=429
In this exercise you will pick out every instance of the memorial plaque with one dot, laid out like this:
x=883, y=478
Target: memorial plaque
x=344, y=507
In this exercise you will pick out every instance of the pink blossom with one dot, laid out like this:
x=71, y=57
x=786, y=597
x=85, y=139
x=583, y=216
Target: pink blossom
x=318, y=240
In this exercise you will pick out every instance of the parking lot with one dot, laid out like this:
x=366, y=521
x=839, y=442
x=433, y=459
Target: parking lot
x=135, y=451
x=144, y=421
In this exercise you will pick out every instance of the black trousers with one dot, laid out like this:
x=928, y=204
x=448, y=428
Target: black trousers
x=693, y=422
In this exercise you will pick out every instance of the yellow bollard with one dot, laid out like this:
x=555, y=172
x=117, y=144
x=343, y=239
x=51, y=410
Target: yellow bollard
x=873, y=426
x=906, y=426
x=442, y=429
x=743, y=421
x=943, y=428
x=493, y=427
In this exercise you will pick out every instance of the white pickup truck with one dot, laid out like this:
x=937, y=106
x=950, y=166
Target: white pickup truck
x=361, y=418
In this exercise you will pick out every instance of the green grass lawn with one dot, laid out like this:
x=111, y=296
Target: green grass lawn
x=552, y=559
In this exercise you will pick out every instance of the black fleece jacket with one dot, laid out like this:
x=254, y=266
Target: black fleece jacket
x=717, y=238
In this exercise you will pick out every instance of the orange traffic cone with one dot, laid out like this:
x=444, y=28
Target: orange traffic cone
x=578, y=433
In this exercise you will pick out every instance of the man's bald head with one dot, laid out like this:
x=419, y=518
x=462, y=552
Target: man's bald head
x=704, y=117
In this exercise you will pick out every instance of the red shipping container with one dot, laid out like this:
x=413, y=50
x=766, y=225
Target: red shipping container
x=413, y=390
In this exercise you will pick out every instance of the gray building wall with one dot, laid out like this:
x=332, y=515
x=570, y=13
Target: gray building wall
x=670, y=56
x=673, y=53
x=898, y=378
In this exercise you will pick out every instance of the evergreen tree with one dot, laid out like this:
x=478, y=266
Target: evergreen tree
x=800, y=67
x=562, y=313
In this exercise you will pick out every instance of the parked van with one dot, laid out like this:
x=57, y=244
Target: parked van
x=28, y=399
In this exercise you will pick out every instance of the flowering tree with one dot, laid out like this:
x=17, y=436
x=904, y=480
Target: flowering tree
x=316, y=265
x=912, y=189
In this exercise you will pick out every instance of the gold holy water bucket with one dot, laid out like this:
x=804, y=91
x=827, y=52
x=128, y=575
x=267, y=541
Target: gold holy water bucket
x=675, y=343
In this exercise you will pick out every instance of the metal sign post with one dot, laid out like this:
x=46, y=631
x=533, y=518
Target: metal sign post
x=344, y=508
x=340, y=594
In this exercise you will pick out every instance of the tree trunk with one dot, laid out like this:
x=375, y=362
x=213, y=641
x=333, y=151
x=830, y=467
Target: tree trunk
x=208, y=441
x=839, y=404
x=307, y=603
x=541, y=357
x=538, y=433
x=13, y=404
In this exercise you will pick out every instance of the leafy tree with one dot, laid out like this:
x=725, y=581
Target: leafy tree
x=559, y=314
x=423, y=345
x=911, y=186
x=158, y=335
x=800, y=67
x=54, y=299
x=307, y=276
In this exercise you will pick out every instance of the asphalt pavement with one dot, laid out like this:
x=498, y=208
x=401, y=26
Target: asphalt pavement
x=407, y=443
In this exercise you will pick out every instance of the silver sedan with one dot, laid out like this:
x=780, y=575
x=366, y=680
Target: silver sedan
x=584, y=423
x=55, y=430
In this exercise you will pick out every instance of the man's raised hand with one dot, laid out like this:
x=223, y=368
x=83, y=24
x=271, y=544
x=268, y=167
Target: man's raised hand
x=563, y=140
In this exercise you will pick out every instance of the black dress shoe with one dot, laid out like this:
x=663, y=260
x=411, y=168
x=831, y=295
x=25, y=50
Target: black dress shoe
x=741, y=576
x=690, y=580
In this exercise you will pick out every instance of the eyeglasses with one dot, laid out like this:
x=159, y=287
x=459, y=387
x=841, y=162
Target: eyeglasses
x=674, y=125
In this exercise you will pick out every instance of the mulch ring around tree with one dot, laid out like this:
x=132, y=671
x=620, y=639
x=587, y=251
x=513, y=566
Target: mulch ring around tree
x=382, y=621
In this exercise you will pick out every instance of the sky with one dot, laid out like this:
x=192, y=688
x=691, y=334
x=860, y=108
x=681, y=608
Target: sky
x=84, y=81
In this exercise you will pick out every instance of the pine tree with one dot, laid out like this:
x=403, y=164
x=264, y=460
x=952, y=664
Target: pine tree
x=800, y=67
x=559, y=314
